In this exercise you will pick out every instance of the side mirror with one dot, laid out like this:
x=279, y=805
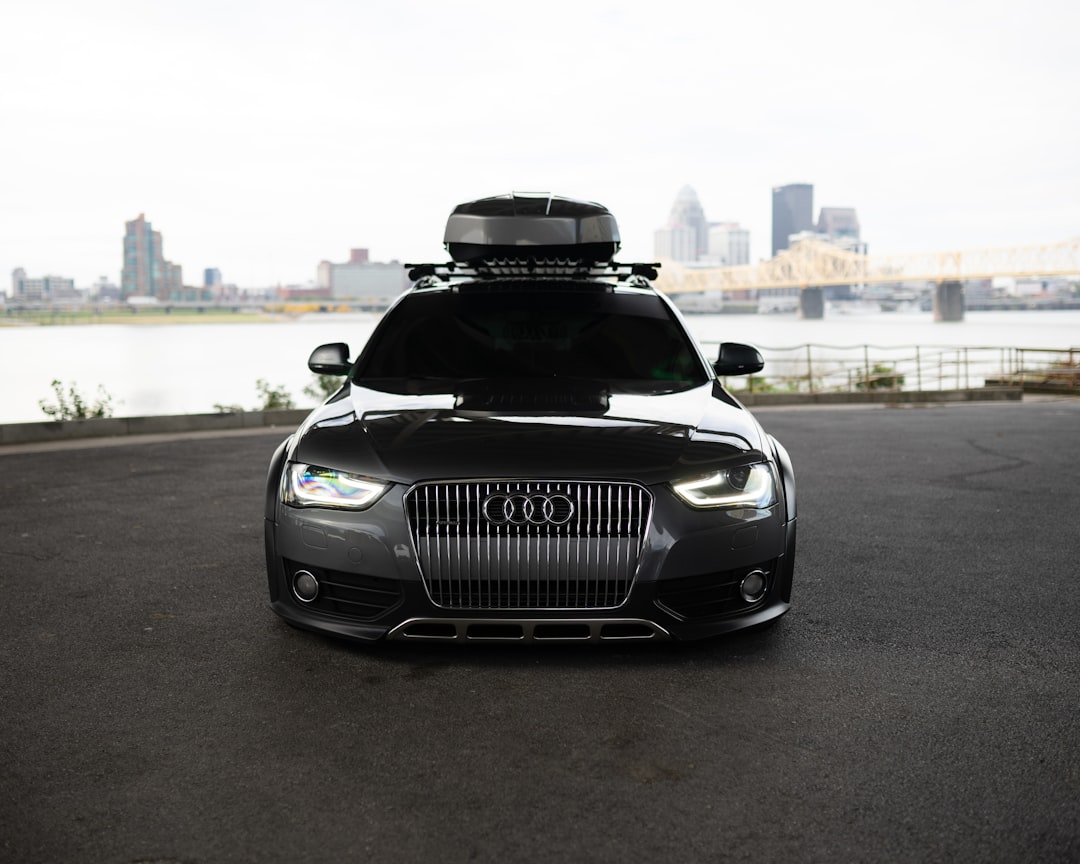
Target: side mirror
x=738, y=359
x=332, y=359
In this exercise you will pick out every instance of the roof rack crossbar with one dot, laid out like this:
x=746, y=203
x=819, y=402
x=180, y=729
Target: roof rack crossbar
x=503, y=267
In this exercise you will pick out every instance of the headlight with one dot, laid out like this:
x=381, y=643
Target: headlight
x=742, y=486
x=311, y=486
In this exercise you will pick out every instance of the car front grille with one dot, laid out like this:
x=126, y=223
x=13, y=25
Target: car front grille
x=528, y=544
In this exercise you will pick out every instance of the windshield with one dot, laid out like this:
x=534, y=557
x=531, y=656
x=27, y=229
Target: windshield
x=504, y=332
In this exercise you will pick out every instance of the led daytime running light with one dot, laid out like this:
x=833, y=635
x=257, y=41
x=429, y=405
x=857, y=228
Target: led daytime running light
x=731, y=488
x=311, y=486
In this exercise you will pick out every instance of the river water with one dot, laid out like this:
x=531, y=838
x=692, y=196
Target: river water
x=190, y=368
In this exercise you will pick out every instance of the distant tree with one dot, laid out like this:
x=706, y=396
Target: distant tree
x=273, y=398
x=323, y=387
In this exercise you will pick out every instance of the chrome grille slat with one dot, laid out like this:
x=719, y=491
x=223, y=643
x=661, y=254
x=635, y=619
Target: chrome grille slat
x=469, y=562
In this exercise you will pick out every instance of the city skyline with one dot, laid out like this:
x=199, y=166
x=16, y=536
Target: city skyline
x=262, y=144
x=147, y=273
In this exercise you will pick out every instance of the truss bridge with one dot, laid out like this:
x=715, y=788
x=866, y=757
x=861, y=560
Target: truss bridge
x=811, y=265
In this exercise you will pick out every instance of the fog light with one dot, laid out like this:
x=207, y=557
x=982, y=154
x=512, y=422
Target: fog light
x=753, y=586
x=305, y=586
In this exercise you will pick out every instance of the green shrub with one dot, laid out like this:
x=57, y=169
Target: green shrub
x=881, y=378
x=273, y=398
x=71, y=405
x=270, y=399
x=323, y=387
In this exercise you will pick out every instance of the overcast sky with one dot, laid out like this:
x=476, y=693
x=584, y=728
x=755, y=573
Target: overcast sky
x=263, y=137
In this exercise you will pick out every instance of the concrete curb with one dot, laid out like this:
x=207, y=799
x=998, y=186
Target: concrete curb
x=883, y=397
x=112, y=427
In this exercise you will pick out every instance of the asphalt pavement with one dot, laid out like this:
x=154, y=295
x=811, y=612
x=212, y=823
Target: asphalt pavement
x=918, y=704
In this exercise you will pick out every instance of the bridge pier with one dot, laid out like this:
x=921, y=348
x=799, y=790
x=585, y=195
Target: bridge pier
x=949, y=301
x=812, y=303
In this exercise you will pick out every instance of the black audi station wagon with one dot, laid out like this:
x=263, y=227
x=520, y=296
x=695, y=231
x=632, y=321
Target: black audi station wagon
x=531, y=447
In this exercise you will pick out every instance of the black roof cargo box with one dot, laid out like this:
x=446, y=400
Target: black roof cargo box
x=531, y=226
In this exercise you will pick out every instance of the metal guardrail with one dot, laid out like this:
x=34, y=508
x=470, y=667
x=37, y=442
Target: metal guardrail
x=814, y=368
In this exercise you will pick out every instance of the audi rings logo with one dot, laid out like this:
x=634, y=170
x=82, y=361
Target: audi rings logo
x=521, y=509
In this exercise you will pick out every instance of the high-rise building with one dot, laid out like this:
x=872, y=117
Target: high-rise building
x=729, y=244
x=146, y=273
x=838, y=223
x=675, y=244
x=686, y=236
x=792, y=212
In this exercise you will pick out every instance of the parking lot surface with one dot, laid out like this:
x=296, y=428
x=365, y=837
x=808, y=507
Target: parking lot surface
x=919, y=703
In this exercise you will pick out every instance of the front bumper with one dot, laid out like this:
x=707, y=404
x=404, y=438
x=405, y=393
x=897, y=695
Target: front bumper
x=686, y=584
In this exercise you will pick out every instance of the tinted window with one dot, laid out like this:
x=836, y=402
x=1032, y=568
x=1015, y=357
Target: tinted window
x=504, y=332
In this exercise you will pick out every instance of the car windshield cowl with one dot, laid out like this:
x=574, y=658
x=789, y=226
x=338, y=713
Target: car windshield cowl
x=569, y=396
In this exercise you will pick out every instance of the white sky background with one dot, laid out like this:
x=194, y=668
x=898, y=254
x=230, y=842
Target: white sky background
x=261, y=138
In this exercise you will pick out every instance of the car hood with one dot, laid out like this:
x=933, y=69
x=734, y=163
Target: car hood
x=441, y=436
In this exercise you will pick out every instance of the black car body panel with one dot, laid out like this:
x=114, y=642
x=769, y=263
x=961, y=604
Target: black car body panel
x=651, y=438
x=534, y=457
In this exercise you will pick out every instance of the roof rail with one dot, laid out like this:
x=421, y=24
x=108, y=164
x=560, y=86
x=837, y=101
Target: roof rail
x=501, y=268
